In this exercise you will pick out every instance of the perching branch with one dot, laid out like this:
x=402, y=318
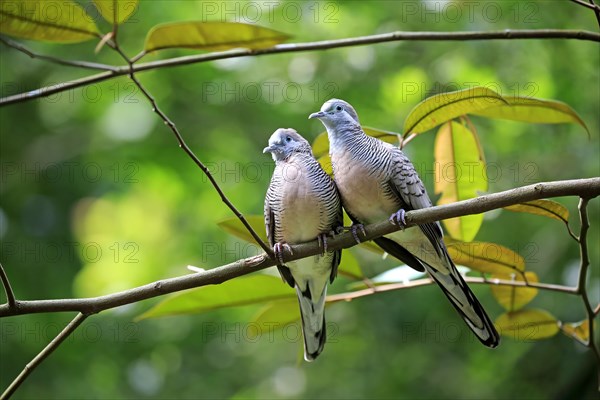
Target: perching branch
x=586, y=188
x=298, y=47
x=53, y=345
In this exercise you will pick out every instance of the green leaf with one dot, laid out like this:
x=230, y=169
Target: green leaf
x=546, y=208
x=320, y=145
x=514, y=298
x=275, y=315
x=116, y=10
x=211, y=36
x=61, y=21
x=459, y=175
x=235, y=227
x=529, y=109
x=241, y=291
x=579, y=330
x=349, y=267
x=443, y=107
x=485, y=257
x=527, y=325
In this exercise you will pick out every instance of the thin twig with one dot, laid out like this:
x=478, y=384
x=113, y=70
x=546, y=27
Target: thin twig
x=53, y=345
x=580, y=187
x=427, y=281
x=582, y=280
x=10, y=295
x=78, y=64
x=589, y=5
x=183, y=145
x=299, y=47
x=596, y=11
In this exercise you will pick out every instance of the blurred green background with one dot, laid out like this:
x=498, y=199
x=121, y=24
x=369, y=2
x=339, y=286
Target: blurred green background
x=96, y=197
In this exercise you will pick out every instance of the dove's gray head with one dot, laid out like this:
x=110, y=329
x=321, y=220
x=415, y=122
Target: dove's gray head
x=336, y=113
x=285, y=142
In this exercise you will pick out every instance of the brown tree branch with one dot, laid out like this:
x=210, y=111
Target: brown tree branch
x=53, y=345
x=587, y=188
x=307, y=46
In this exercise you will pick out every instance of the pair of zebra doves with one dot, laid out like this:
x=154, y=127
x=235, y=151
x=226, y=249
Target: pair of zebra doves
x=373, y=180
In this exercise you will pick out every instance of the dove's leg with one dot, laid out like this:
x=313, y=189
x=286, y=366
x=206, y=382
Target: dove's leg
x=278, y=249
x=397, y=218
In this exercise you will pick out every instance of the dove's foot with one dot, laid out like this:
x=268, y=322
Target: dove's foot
x=355, y=228
x=278, y=249
x=397, y=218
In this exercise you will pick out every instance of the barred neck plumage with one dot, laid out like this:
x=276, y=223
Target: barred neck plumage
x=351, y=138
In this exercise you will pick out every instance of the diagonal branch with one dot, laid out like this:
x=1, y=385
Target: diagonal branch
x=308, y=46
x=53, y=345
x=79, y=64
x=183, y=145
x=10, y=295
x=587, y=188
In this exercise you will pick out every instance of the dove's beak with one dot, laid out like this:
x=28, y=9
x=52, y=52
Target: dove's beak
x=268, y=149
x=319, y=114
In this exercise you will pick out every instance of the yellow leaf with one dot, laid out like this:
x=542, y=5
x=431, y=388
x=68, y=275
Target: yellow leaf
x=525, y=325
x=443, y=107
x=485, y=257
x=579, y=330
x=546, y=208
x=211, y=36
x=116, y=10
x=54, y=21
x=459, y=175
x=514, y=298
x=529, y=109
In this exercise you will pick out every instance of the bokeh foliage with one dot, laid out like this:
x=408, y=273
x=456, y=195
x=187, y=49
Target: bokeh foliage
x=96, y=197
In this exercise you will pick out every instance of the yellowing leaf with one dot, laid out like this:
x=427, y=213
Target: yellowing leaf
x=116, y=10
x=240, y=291
x=325, y=162
x=527, y=325
x=443, y=107
x=275, y=315
x=579, y=330
x=459, y=175
x=485, y=257
x=235, y=227
x=211, y=36
x=546, y=208
x=514, y=298
x=320, y=145
x=54, y=21
x=529, y=109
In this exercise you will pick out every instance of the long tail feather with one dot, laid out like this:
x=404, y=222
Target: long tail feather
x=465, y=302
x=313, y=322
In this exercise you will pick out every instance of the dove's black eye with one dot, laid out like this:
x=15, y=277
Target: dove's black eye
x=288, y=139
x=339, y=108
